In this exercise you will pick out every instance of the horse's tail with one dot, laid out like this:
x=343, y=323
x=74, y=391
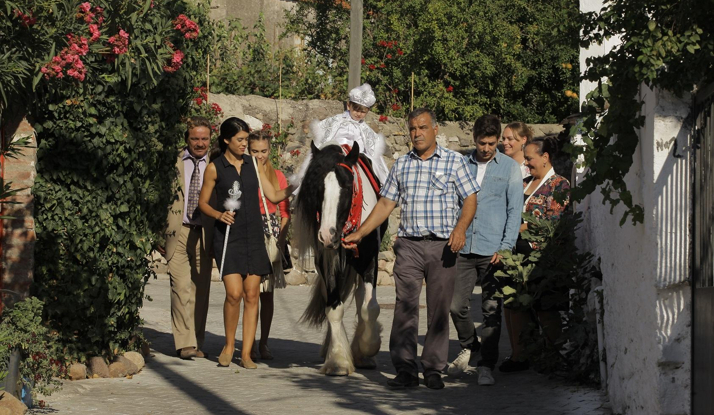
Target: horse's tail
x=314, y=314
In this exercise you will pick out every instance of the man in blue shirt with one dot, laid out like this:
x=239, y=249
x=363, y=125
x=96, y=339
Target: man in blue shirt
x=437, y=194
x=494, y=228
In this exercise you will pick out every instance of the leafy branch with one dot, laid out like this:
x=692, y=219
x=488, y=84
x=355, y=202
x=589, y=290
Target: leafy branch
x=663, y=44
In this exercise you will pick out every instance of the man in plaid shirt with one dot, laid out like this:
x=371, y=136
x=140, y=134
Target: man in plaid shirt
x=431, y=185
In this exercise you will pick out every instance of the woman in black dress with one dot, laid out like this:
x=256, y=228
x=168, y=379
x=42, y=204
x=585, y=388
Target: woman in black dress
x=246, y=259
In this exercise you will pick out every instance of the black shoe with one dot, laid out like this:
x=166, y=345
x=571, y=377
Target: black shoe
x=510, y=365
x=404, y=380
x=434, y=381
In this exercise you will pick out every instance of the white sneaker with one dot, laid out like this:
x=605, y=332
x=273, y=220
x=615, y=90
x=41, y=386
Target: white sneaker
x=459, y=365
x=485, y=378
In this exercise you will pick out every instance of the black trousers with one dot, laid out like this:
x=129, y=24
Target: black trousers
x=471, y=268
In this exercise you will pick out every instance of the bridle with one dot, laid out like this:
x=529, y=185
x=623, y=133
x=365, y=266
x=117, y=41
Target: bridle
x=354, y=219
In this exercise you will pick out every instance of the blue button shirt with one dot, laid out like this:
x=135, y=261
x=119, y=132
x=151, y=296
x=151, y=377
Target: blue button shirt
x=500, y=202
x=430, y=192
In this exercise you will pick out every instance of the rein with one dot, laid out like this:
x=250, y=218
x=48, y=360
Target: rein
x=354, y=219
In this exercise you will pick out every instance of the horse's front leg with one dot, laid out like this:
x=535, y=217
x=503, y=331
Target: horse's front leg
x=367, y=340
x=338, y=361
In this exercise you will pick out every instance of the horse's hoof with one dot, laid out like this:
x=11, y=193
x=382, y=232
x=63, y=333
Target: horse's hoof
x=337, y=371
x=365, y=363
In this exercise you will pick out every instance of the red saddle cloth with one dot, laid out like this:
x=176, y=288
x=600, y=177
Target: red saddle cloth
x=366, y=164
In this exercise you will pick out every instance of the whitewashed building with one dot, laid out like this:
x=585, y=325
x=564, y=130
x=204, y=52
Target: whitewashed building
x=653, y=271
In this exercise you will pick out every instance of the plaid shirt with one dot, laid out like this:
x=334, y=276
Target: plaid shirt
x=430, y=192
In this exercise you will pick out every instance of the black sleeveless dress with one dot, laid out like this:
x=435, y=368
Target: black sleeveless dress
x=245, y=252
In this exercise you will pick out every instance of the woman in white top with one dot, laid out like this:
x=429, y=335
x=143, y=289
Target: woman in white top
x=516, y=136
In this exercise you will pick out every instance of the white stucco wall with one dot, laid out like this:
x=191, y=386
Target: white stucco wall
x=647, y=297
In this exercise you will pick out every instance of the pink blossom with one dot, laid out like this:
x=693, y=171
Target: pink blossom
x=119, y=43
x=78, y=44
x=85, y=7
x=27, y=20
x=188, y=27
x=69, y=59
x=94, y=30
x=178, y=57
x=176, y=62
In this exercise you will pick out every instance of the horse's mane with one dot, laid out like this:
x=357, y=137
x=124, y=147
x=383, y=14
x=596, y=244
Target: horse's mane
x=309, y=201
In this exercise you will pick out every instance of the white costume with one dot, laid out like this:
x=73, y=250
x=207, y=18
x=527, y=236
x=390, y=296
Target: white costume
x=343, y=129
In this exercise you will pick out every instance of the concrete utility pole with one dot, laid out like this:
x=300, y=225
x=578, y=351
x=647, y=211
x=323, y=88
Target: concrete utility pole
x=355, y=44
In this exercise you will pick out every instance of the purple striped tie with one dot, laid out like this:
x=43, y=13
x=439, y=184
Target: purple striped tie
x=193, y=190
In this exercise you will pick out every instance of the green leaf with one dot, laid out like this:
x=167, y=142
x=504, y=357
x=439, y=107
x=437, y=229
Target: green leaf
x=147, y=4
x=507, y=290
x=651, y=25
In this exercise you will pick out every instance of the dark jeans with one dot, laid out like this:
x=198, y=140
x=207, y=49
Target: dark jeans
x=470, y=268
x=417, y=261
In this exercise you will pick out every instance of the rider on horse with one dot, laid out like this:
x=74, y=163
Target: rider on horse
x=349, y=128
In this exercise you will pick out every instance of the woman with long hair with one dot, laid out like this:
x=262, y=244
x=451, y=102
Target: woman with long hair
x=233, y=175
x=275, y=222
x=539, y=193
x=516, y=136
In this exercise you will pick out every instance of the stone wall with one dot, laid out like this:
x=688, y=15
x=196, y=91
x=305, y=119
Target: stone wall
x=18, y=233
x=296, y=116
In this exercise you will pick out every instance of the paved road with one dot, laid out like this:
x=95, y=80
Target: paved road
x=291, y=383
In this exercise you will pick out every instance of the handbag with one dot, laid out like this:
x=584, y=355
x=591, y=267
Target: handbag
x=271, y=242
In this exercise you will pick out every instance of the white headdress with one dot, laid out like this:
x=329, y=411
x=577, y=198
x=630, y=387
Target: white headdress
x=363, y=95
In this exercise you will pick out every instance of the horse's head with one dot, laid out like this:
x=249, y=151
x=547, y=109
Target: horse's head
x=325, y=195
x=337, y=199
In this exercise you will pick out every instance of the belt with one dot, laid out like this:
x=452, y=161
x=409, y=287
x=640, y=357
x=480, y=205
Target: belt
x=430, y=237
x=192, y=227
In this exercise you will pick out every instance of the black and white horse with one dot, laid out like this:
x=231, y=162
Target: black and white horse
x=329, y=204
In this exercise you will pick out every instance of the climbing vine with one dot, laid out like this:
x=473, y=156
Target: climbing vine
x=105, y=84
x=662, y=44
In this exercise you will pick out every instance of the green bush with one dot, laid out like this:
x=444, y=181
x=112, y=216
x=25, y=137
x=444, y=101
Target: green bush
x=22, y=329
x=517, y=59
x=555, y=273
x=108, y=111
x=245, y=63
